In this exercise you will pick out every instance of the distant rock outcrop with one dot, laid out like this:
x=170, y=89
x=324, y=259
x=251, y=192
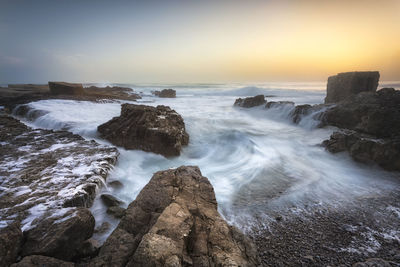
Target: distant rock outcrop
x=167, y=93
x=155, y=129
x=348, y=84
x=174, y=221
x=63, y=88
x=250, y=102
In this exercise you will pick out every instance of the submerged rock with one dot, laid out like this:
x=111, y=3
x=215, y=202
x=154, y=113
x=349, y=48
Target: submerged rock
x=155, y=129
x=174, y=221
x=11, y=239
x=116, y=211
x=110, y=201
x=63, y=88
x=347, y=84
x=250, y=102
x=275, y=104
x=60, y=236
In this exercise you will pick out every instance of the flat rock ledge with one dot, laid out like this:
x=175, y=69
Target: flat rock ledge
x=47, y=181
x=174, y=222
x=154, y=129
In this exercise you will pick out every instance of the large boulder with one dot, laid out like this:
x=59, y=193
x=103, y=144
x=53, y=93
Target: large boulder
x=63, y=88
x=11, y=239
x=250, y=102
x=347, y=84
x=167, y=93
x=155, y=129
x=372, y=113
x=60, y=236
x=174, y=221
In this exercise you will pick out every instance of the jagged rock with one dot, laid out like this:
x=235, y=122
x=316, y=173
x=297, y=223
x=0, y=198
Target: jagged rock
x=110, y=201
x=373, y=262
x=155, y=129
x=89, y=248
x=38, y=171
x=116, y=211
x=10, y=243
x=376, y=114
x=63, y=88
x=174, y=222
x=347, y=84
x=167, y=93
x=275, y=104
x=104, y=227
x=366, y=149
x=250, y=102
x=60, y=236
x=42, y=261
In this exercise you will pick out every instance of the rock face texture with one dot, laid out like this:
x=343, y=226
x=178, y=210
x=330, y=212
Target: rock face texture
x=347, y=84
x=11, y=239
x=63, y=88
x=155, y=129
x=42, y=261
x=174, y=222
x=60, y=236
x=373, y=119
x=250, y=102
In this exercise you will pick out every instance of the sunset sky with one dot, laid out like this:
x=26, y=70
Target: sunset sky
x=197, y=41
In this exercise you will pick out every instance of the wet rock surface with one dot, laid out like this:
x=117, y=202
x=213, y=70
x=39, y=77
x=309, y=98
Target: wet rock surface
x=344, y=85
x=42, y=261
x=174, y=222
x=11, y=239
x=250, y=102
x=155, y=129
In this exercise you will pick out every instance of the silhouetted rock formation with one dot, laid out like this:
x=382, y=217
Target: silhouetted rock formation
x=174, y=222
x=347, y=84
x=249, y=102
x=63, y=88
x=155, y=129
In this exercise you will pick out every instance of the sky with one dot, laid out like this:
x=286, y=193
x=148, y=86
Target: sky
x=196, y=41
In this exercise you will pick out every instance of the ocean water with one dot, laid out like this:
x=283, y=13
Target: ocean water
x=259, y=162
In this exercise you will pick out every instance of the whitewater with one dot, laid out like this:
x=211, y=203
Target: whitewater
x=259, y=162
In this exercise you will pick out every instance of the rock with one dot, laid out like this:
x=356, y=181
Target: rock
x=373, y=262
x=275, y=104
x=366, y=149
x=89, y=248
x=115, y=92
x=103, y=228
x=155, y=129
x=167, y=93
x=110, y=201
x=115, y=184
x=347, y=84
x=60, y=236
x=11, y=239
x=250, y=102
x=174, y=221
x=63, y=88
x=42, y=261
x=44, y=177
x=376, y=114
x=116, y=211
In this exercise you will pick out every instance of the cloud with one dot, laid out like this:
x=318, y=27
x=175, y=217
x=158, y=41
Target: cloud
x=11, y=60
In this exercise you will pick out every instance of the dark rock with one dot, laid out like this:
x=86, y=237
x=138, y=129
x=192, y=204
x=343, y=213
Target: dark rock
x=376, y=114
x=167, y=93
x=174, y=222
x=116, y=211
x=110, y=201
x=42, y=261
x=373, y=262
x=366, y=149
x=347, y=84
x=250, y=102
x=115, y=184
x=10, y=243
x=60, y=236
x=89, y=248
x=63, y=88
x=155, y=129
x=275, y=104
